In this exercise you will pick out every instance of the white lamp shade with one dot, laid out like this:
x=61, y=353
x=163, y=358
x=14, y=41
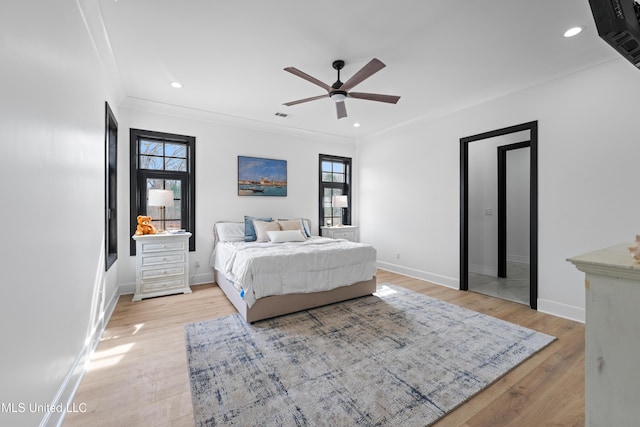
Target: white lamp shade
x=340, y=202
x=161, y=198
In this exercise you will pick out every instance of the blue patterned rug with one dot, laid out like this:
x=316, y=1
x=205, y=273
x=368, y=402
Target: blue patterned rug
x=398, y=358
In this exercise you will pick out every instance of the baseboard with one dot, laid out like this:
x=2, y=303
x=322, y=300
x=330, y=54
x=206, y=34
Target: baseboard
x=562, y=310
x=490, y=271
x=449, y=282
x=67, y=391
x=483, y=269
x=518, y=258
x=64, y=398
x=576, y=314
x=198, y=279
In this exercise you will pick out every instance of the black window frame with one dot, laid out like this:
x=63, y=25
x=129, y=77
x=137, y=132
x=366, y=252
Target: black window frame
x=345, y=187
x=138, y=190
x=110, y=188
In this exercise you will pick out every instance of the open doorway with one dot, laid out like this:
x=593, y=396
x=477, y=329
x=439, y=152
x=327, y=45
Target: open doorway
x=498, y=220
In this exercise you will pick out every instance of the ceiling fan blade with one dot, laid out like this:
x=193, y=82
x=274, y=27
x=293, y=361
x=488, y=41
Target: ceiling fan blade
x=300, y=101
x=365, y=72
x=391, y=99
x=341, y=109
x=308, y=78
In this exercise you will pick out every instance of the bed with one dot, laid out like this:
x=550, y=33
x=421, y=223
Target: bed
x=268, y=268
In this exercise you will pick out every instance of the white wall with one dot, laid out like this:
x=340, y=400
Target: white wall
x=217, y=149
x=518, y=204
x=588, y=150
x=52, y=109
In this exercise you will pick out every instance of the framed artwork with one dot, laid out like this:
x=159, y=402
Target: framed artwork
x=261, y=177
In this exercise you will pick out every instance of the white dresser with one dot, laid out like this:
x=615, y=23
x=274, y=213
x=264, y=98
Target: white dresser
x=348, y=232
x=612, y=336
x=162, y=265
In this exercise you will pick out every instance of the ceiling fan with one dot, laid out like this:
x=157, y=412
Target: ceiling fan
x=339, y=91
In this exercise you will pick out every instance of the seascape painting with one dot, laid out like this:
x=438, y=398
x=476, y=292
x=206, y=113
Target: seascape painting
x=261, y=177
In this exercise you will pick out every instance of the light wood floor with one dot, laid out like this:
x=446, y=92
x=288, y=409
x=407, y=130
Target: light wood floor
x=138, y=375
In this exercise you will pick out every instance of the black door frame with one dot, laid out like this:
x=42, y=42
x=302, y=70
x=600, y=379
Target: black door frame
x=502, y=203
x=532, y=127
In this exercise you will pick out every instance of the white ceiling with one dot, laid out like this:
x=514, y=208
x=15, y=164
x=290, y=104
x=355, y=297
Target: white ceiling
x=441, y=55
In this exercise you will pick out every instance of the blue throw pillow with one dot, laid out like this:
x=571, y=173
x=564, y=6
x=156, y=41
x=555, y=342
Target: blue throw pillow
x=249, y=229
x=305, y=226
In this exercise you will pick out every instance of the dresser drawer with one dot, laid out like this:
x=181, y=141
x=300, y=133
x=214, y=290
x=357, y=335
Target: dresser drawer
x=162, y=272
x=150, y=261
x=153, y=247
x=161, y=285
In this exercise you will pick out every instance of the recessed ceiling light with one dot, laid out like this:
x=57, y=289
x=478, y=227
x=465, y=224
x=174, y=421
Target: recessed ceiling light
x=176, y=85
x=571, y=32
x=356, y=125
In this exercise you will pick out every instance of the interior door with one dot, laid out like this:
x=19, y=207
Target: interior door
x=479, y=202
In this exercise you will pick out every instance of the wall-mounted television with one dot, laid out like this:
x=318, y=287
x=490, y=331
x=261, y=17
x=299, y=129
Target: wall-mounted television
x=618, y=23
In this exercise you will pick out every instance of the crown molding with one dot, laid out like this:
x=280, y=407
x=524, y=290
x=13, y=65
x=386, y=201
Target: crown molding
x=155, y=107
x=94, y=23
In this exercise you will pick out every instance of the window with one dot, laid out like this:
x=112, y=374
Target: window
x=335, y=180
x=110, y=188
x=165, y=162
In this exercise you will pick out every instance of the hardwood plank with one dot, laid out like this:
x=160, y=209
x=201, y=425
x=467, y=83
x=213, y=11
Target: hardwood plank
x=138, y=374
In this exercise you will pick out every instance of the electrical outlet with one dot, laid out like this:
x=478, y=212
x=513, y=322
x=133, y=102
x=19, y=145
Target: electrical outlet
x=397, y=255
x=197, y=264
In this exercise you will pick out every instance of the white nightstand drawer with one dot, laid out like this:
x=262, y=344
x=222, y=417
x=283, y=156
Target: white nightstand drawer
x=151, y=247
x=159, y=285
x=349, y=235
x=149, y=261
x=162, y=272
x=347, y=232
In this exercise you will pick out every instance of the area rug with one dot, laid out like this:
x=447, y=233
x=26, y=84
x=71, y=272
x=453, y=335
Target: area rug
x=396, y=358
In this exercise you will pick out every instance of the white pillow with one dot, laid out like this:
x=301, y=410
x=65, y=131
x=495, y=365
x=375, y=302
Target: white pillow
x=230, y=231
x=286, y=236
x=262, y=227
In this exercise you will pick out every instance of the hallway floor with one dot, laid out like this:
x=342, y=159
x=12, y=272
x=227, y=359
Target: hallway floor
x=515, y=287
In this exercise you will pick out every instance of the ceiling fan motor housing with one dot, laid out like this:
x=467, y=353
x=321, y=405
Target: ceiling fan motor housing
x=338, y=65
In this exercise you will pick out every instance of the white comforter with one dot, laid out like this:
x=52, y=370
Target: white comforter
x=318, y=264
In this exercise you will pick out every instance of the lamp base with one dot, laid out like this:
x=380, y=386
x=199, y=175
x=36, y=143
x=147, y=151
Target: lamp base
x=162, y=221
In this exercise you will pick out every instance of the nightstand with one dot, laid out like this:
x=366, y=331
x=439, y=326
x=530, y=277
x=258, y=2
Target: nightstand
x=162, y=265
x=348, y=232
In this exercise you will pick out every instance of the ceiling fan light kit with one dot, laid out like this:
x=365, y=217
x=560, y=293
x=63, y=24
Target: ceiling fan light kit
x=339, y=91
x=338, y=95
